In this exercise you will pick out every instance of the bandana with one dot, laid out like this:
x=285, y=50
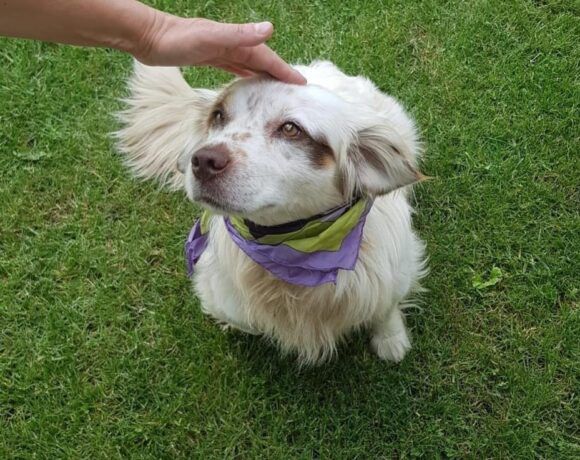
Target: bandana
x=307, y=252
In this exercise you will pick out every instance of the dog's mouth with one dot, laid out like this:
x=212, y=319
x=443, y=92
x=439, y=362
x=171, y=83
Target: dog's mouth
x=219, y=206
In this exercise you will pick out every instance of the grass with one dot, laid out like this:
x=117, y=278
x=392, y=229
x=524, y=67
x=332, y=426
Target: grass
x=105, y=354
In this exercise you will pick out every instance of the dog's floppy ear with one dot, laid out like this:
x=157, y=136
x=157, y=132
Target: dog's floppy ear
x=164, y=117
x=382, y=161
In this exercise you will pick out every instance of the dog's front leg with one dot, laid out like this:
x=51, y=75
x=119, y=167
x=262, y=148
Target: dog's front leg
x=218, y=299
x=390, y=340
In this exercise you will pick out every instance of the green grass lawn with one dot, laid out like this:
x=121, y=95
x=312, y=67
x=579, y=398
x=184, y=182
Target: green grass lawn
x=104, y=352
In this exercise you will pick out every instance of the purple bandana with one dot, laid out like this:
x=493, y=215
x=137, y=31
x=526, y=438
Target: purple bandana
x=308, y=252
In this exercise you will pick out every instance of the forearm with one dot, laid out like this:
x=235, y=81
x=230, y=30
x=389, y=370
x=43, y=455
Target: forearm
x=151, y=36
x=120, y=24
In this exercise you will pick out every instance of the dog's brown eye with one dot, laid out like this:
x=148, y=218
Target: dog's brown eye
x=218, y=116
x=290, y=130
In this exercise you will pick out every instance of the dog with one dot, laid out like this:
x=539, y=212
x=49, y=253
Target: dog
x=289, y=176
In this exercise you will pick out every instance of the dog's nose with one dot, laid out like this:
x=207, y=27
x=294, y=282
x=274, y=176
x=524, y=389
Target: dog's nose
x=208, y=162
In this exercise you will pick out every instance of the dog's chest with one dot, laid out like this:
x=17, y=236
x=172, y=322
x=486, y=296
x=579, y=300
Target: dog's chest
x=284, y=310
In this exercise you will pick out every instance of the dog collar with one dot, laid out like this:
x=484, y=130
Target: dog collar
x=307, y=252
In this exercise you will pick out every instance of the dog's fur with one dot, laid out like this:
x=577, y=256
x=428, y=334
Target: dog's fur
x=354, y=141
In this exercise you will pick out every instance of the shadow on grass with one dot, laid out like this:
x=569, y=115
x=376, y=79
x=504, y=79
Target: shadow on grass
x=354, y=370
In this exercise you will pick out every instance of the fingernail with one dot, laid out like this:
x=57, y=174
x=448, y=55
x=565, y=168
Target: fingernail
x=300, y=79
x=263, y=28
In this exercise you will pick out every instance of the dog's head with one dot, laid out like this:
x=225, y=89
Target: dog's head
x=269, y=151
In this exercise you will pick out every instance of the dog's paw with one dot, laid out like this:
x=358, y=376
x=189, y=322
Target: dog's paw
x=393, y=348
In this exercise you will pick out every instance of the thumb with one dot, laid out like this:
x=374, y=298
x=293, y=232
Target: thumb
x=235, y=35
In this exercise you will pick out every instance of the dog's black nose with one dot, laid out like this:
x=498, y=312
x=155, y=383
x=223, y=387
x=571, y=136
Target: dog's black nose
x=208, y=162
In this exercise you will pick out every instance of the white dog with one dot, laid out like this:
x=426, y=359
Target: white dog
x=307, y=234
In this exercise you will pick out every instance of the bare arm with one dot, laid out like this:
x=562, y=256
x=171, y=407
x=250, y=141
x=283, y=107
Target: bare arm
x=153, y=37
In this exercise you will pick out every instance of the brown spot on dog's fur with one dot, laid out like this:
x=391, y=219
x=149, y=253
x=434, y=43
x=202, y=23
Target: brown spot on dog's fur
x=318, y=151
x=239, y=153
x=240, y=137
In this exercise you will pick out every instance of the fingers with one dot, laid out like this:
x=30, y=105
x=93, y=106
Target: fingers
x=262, y=59
x=240, y=48
x=239, y=71
x=236, y=35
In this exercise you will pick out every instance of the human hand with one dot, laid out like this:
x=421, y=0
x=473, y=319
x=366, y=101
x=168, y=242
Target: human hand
x=236, y=48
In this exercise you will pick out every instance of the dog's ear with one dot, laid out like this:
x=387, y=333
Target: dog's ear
x=164, y=117
x=381, y=162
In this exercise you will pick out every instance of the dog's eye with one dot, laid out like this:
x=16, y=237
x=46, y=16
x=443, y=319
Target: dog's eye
x=290, y=130
x=217, y=116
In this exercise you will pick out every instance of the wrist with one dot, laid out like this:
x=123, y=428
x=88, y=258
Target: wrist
x=148, y=35
x=139, y=27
